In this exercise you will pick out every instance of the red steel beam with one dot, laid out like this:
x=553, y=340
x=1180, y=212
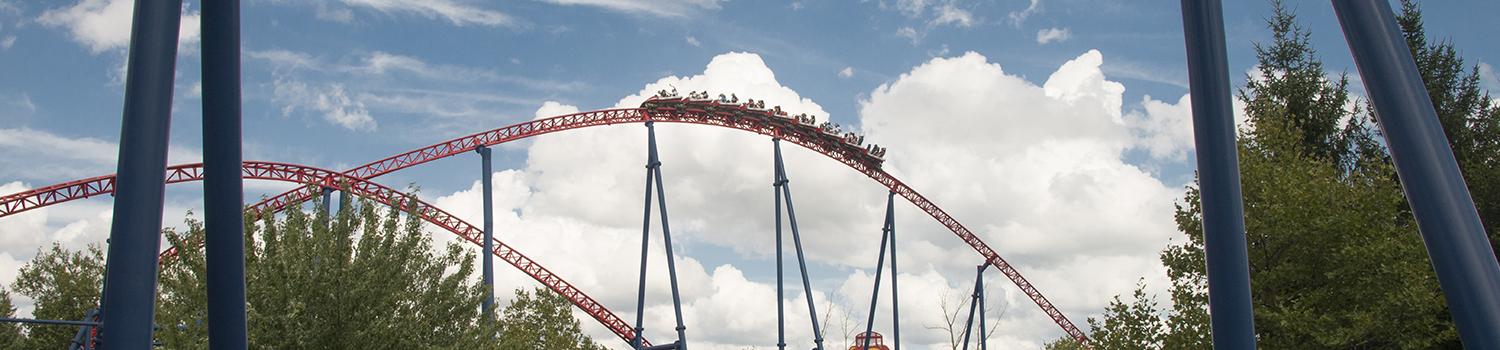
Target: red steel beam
x=376, y=192
x=692, y=112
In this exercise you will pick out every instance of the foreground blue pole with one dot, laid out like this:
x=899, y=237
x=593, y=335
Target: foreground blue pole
x=1440, y=200
x=489, y=230
x=129, y=301
x=885, y=238
x=1233, y=319
x=890, y=229
x=223, y=192
x=666, y=237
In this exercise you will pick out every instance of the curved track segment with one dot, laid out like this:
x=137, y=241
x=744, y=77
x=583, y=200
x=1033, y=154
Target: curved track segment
x=379, y=193
x=687, y=112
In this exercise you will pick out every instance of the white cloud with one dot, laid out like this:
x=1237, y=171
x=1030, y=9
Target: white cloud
x=1018, y=17
x=1165, y=130
x=38, y=155
x=328, y=100
x=664, y=8
x=104, y=25
x=949, y=14
x=693, y=41
x=1050, y=35
x=846, y=72
x=553, y=108
x=1489, y=78
x=1037, y=167
x=455, y=12
x=10, y=40
x=910, y=34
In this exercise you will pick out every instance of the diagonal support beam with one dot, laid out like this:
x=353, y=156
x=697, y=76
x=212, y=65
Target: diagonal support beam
x=783, y=189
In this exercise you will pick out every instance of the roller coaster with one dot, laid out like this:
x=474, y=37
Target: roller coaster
x=1467, y=269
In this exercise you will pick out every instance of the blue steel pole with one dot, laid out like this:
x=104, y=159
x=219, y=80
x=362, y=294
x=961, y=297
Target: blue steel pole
x=890, y=229
x=879, y=266
x=640, y=301
x=973, y=302
x=666, y=237
x=780, y=286
x=979, y=295
x=129, y=301
x=812, y=311
x=1455, y=239
x=489, y=230
x=1225, y=249
x=223, y=191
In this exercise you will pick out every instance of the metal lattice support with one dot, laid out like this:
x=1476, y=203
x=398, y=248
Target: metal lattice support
x=653, y=174
x=783, y=189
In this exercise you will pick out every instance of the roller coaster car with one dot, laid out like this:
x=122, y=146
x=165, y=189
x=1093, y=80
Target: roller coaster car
x=876, y=152
x=807, y=120
x=875, y=342
x=830, y=129
x=853, y=139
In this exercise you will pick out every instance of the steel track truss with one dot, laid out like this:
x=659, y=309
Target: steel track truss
x=805, y=136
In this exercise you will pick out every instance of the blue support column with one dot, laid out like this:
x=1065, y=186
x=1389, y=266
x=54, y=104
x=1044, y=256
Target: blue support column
x=890, y=229
x=791, y=213
x=976, y=301
x=653, y=174
x=223, y=191
x=489, y=229
x=780, y=286
x=129, y=300
x=885, y=238
x=666, y=236
x=1455, y=239
x=1225, y=249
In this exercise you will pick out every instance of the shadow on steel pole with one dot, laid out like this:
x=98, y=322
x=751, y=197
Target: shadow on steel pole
x=223, y=191
x=1455, y=238
x=1218, y=176
x=129, y=301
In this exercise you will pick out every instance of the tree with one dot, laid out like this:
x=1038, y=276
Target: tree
x=541, y=319
x=1130, y=326
x=10, y=333
x=64, y=285
x=359, y=279
x=1468, y=115
x=1335, y=258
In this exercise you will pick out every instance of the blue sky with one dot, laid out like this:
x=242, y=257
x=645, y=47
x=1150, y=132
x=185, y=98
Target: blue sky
x=336, y=83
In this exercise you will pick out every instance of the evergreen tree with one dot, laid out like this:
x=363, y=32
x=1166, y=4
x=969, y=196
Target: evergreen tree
x=541, y=319
x=10, y=333
x=64, y=285
x=1470, y=117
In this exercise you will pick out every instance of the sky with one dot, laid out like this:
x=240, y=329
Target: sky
x=1057, y=130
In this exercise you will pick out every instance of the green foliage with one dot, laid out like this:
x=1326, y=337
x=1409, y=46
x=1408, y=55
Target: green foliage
x=1468, y=114
x=10, y=333
x=357, y=280
x=1064, y=343
x=1133, y=326
x=1336, y=261
x=63, y=285
x=541, y=319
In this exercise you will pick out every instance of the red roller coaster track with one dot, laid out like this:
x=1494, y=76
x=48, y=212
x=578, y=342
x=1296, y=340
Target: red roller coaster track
x=376, y=192
x=692, y=112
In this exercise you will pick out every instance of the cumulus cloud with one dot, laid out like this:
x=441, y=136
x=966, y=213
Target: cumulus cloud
x=846, y=72
x=693, y=41
x=1050, y=35
x=947, y=14
x=910, y=34
x=1037, y=167
x=1489, y=77
x=663, y=8
x=104, y=25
